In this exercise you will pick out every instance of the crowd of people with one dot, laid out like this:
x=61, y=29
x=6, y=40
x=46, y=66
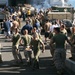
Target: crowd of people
x=29, y=36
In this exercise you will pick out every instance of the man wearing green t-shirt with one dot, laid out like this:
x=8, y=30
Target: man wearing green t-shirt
x=60, y=52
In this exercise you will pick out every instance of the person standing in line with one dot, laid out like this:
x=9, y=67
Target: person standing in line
x=15, y=47
x=27, y=52
x=24, y=14
x=37, y=25
x=7, y=27
x=15, y=25
x=28, y=13
x=73, y=22
x=72, y=38
x=30, y=20
x=26, y=26
x=63, y=30
x=35, y=45
x=47, y=28
x=60, y=52
x=34, y=31
x=19, y=21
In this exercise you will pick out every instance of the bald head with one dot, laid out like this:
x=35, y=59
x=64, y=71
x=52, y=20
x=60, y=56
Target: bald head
x=25, y=31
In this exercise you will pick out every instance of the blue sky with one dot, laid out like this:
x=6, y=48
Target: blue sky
x=72, y=2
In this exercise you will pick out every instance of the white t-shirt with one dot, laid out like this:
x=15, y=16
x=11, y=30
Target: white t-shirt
x=52, y=27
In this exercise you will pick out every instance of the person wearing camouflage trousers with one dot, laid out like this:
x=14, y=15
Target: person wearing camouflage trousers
x=60, y=52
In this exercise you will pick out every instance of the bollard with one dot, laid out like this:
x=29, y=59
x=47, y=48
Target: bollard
x=0, y=54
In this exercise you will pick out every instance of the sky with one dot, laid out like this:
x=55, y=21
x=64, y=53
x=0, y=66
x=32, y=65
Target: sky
x=72, y=2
